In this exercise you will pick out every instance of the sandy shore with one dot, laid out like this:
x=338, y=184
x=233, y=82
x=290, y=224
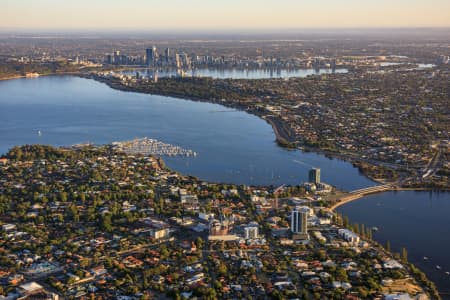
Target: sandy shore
x=12, y=77
x=40, y=75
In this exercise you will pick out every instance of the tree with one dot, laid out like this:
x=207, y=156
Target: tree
x=199, y=242
x=388, y=246
x=404, y=255
x=106, y=222
x=363, y=292
x=223, y=269
x=341, y=274
x=345, y=222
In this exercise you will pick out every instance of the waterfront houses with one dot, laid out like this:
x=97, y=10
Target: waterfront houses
x=110, y=225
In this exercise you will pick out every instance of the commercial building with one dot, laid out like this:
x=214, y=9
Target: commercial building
x=314, y=175
x=159, y=233
x=167, y=55
x=349, y=236
x=251, y=232
x=150, y=56
x=299, y=222
x=33, y=290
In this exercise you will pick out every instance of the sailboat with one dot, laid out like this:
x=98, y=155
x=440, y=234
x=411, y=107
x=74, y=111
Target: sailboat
x=39, y=133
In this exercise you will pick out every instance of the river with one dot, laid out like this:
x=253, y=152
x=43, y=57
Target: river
x=418, y=221
x=238, y=73
x=233, y=147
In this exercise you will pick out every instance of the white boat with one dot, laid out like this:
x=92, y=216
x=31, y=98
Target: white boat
x=447, y=273
x=39, y=133
x=425, y=258
x=438, y=267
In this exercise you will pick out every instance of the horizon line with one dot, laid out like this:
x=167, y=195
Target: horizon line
x=222, y=32
x=196, y=29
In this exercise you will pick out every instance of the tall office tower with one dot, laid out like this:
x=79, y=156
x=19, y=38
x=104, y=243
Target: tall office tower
x=108, y=59
x=116, y=57
x=314, y=175
x=150, y=56
x=333, y=64
x=178, y=60
x=299, y=222
x=167, y=55
x=123, y=59
x=185, y=60
x=155, y=54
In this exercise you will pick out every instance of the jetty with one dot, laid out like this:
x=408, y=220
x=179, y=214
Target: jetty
x=147, y=146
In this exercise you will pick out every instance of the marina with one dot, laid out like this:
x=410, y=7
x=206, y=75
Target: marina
x=149, y=146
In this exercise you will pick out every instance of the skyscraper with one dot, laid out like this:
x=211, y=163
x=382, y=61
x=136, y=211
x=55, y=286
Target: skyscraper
x=178, y=60
x=116, y=57
x=167, y=55
x=150, y=56
x=155, y=53
x=108, y=59
x=314, y=175
x=299, y=222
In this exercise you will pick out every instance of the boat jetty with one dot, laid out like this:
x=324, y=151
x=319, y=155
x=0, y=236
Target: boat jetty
x=149, y=146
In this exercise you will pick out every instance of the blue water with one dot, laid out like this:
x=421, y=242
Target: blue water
x=239, y=73
x=418, y=221
x=233, y=146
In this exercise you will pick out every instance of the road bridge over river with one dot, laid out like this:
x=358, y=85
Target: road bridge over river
x=356, y=194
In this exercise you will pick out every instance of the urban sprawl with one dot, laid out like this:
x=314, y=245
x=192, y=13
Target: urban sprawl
x=113, y=222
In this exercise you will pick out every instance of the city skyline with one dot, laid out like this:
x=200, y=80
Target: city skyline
x=217, y=15
x=289, y=149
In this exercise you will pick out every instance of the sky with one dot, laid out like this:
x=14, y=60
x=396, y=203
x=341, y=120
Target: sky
x=221, y=14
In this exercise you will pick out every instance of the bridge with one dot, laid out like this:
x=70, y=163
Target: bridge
x=356, y=194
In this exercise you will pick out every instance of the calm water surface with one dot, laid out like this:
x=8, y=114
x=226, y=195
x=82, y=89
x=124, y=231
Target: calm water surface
x=233, y=146
x=239, y=73
x=418, y=221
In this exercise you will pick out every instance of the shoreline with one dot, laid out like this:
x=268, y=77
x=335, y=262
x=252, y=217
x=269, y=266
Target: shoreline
x=41, y=75
x=13, y=77
x=283, y=134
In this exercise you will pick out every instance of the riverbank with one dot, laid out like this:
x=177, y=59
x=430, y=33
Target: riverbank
x=282, y=134
x=41, y=75
x=12, y=77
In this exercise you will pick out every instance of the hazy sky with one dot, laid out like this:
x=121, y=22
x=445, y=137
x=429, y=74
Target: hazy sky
x=221, y=14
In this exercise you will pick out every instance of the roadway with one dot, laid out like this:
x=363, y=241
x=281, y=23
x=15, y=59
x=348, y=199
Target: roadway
x=356, y=194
